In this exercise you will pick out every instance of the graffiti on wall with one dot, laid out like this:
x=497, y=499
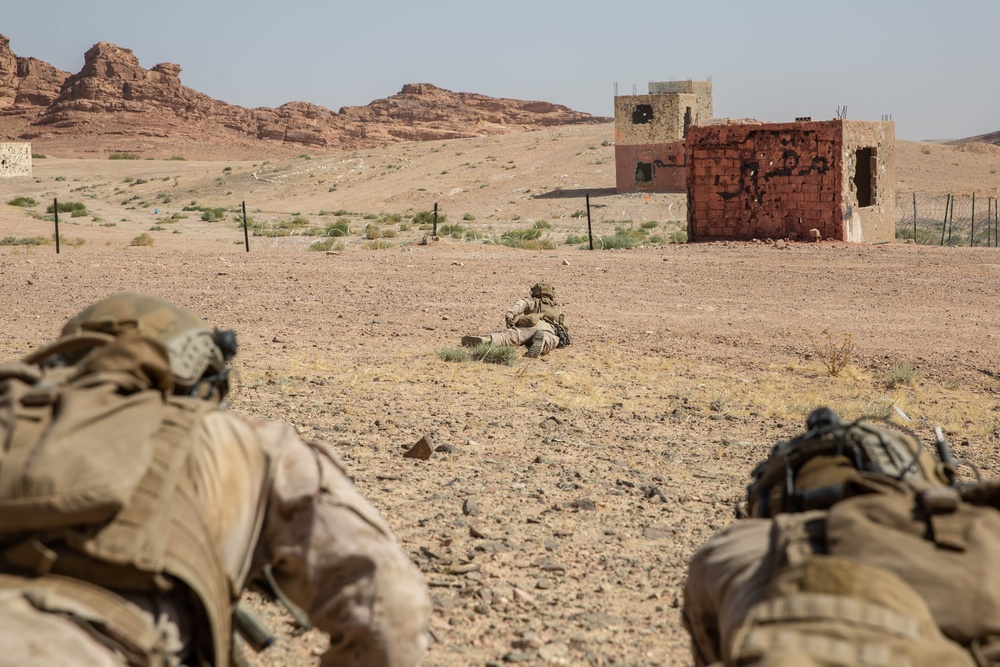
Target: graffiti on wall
x=789, y=165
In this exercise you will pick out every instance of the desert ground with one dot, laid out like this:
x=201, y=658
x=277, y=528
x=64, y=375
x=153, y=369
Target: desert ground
x=555, y=522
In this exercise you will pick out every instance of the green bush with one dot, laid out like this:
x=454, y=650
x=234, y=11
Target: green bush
x=74, y=208
x=156, y=228
x=379, y=244
x=455, y=231
x=38, y=156
x=391, y=219
x=22, y=201
x=212, y=214
x=339, y=228
x=574, y=239
x=680, y=236
x=328, y=243
x=650, y=224
x=178, y=157
x=453, y=354
x=468, y=217
x=124, y=156
x=494, y=354
x=143, y=239
x=903, y=374
x=26, y=240
x=373, y=231
x=622, y=239
x=427, y=218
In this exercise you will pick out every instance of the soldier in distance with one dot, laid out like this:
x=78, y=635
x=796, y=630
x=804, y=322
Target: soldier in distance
x=134, y=510
x=535, y=321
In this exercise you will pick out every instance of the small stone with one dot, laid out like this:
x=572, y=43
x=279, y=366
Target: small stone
x=780, y=244
x=446, y=449
x=565, y=262
x=541, y=459
x=477, y=532
x=470, y=507
x=445, y=317
x=553, y=651
x=523, y=596
x=815, y=235
x=582, y=504
x=543, y=584
x=421, y=450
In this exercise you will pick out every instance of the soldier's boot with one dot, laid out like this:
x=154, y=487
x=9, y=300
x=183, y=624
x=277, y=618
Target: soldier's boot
x=535, y=351
x=473, y=341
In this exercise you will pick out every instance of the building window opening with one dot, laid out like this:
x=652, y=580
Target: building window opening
x=687, y=122
x=643, y=114
x=643, y=173
x=865, y=172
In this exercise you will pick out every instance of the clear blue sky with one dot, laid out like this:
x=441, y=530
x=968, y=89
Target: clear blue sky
x=933, y=65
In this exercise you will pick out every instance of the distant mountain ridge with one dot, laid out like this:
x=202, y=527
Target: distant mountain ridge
x=114, y=104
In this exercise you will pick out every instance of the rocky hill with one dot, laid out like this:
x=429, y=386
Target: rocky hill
x=115, y=105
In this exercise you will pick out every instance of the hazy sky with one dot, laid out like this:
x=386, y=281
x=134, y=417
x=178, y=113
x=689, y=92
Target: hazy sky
x=931, y=64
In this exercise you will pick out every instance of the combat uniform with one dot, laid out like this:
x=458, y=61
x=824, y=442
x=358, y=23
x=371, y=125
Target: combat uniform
x=861, y=552
x=221, y=497
x=535, y=320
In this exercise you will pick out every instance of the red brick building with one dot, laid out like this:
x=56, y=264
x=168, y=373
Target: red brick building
x=650, y=131
x=781, y=180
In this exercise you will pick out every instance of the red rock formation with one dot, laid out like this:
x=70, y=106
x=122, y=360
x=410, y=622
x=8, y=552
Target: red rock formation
x=114, y=104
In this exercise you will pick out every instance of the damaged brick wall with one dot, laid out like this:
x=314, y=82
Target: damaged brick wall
x=701, y=89
x=15, y=160
x=651, y=167
x=652, y=119
x=781, y=180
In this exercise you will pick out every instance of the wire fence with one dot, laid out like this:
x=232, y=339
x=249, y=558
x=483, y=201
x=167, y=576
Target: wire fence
x=947, y=219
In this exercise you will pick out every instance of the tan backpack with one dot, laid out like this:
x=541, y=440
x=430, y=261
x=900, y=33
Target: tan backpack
x=77, y=439
x=890, y=505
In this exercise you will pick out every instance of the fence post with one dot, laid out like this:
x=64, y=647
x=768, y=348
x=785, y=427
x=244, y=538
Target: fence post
x=914, y=216
x=590, y=234
x=944, y=223
x=951, y=219
x=435, y=232
x=246, y=234
x=972, y=229
x=55, y=211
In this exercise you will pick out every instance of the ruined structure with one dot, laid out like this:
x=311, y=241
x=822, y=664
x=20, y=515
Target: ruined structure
x=650, y=131
x=15, y=160
x=781, y=180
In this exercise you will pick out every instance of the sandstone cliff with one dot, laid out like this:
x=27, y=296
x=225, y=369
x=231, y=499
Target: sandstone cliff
x=114, y=104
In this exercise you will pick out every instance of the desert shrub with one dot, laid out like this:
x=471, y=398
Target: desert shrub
x=373, y=231
x=924, y=236
x=833, y=352
x=453, y=354
x=389, y=233
x=369, y=216
x=455, y=231
x=494, y=354
x=427, y=218
x=656, y=238
x=38, y=156
x=903, y=374
x=139, y=181
x=74, y=208
x=542, y=224
x=650, y=224
x=527, y=239
x=680, y=236
x=579, y=214
x=574, y=239
x=622, y=239
x=379, y=244
x=297, y=222
x=391, y=219
x=340, y=228
x=341, y=211
x=405, y=226
x=468, y=217
x=472, y=235
x=143, y=239
x=178, y=158
x=156, y=228
x=109, y=224
x=124, y=156
x=64, y=241
x=328, y=243
x=22, y=201
x=25, y=240
x=213, y=214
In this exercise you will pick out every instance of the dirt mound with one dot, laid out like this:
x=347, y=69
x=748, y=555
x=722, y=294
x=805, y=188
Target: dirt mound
x=114, y=104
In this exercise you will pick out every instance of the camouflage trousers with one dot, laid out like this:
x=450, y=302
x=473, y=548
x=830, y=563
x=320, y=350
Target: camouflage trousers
x=517, y=336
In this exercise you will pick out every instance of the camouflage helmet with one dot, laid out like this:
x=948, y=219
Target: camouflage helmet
x=812, y=471
x=543, y=291
x=198, y=355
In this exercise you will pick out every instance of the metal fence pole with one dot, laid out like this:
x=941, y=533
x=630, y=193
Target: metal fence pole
x=914, y=217
x=246, y=234
x=590, y=233
x=972, y=229
x=435, y=233
x=55, y=211
x=944, y=223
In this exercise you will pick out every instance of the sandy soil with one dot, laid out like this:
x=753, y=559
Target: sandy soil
x=555, y=525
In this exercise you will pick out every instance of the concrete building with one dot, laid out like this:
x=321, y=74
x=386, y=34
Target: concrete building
x=781, y=180
x=650, y=131
x=15, y=160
